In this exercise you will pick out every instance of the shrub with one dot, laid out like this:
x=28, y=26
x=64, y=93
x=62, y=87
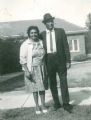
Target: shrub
x=80, y=57
x=9, y=56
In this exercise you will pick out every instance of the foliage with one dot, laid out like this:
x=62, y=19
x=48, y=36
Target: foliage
x=88, y=21
x=9, y=56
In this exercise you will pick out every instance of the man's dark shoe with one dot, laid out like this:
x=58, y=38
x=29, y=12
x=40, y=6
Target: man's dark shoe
x=57, y=106
x=68, y=107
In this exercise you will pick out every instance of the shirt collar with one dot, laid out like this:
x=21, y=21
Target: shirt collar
x=29, y=41
x=48, y=31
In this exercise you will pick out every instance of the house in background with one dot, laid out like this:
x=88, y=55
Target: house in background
x=16, y=31
x=75, y=34
x=76, y=38
x=77, y=44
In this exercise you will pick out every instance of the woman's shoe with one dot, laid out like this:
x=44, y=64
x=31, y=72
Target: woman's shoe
x=38, y=111
x=44, y=109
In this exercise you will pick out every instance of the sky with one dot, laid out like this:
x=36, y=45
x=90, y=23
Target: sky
x=74, y=11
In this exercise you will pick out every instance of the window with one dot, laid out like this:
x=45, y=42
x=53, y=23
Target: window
x=74, y=45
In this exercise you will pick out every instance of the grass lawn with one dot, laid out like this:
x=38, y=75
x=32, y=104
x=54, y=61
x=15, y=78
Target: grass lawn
x=78, y=76
x=12, y=83
x=79, y=113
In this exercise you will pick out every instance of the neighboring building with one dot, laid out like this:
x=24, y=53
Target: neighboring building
x=76, y=40
x=75, y=34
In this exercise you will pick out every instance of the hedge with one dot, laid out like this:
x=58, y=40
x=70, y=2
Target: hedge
x=9, y=56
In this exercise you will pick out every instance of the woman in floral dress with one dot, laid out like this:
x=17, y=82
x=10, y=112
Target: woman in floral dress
x=33, y=63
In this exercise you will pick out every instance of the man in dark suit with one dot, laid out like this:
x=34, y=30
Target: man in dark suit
x=57, y=59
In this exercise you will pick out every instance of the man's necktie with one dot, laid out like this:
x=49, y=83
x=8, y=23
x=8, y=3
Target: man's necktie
x=51, y=42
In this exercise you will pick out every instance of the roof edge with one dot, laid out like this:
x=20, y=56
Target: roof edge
x=76, y=32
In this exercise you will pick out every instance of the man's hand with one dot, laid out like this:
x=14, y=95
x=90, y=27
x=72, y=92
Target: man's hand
x=68, y=65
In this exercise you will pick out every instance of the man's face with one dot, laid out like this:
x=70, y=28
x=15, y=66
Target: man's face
x=49, y=24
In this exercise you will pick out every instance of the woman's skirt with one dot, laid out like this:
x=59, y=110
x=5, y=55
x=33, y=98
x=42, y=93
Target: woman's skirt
x=39, y=75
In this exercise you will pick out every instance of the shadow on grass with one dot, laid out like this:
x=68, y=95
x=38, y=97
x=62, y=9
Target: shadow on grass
x=12, y=83
x=77, y=97
x=80, y=97
x=17, y=82
x=78, y=113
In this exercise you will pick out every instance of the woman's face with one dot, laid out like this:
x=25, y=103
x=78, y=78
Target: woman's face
x=34, y=34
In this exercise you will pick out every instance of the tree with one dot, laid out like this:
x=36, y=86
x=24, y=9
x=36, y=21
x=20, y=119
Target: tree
x=88, y=21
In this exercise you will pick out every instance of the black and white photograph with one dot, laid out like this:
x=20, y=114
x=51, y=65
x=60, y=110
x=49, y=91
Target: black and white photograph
x=45, y=59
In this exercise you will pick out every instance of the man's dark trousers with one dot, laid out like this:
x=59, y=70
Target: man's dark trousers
x=53, y=66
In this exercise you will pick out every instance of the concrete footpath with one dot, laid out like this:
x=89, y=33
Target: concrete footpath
x=18, y=99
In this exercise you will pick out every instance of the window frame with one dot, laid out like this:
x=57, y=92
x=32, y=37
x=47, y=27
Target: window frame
x=73, y=45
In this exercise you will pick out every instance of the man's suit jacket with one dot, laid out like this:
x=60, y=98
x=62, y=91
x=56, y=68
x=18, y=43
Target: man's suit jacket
x=61, y=45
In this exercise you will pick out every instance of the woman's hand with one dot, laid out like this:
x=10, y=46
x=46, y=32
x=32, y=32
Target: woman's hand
x=29, y=76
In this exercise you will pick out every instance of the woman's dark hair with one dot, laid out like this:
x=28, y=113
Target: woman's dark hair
x=31, y=28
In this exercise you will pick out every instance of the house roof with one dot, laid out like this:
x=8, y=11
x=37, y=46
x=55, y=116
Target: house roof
x=20, y=27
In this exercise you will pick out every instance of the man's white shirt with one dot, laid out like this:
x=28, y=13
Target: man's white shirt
x=48, y=41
